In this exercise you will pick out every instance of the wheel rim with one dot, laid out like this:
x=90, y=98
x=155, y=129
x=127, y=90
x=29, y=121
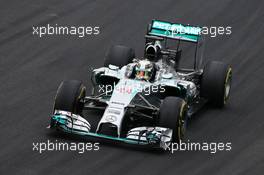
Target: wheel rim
x=79, y=105
x=227, y=85
x=182, y=122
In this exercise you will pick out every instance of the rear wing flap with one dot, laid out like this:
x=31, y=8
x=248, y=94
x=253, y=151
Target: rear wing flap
x=174, y=31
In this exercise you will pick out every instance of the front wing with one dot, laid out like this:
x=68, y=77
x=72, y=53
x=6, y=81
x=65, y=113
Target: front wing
x=156, y=137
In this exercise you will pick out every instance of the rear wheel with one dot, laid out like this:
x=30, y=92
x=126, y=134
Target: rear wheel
x=216, y=83
x=119, y=56
x=173, y=115
x=69, y=96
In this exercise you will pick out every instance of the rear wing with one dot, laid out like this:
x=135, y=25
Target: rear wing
x=174, y=31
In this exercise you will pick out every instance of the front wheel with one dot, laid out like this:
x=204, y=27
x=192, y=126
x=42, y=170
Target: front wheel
x=173, y=115
x=69, y=97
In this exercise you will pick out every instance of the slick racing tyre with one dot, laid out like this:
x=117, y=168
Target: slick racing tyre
x=119, y=56
x=216, y=83
x=69, y=96
x=173, y=115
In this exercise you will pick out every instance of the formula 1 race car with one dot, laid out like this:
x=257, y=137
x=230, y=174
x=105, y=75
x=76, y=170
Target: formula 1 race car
x=146, y=101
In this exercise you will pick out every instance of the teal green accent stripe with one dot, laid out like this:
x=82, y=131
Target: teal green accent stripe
x=59, y=119
x=130, y=141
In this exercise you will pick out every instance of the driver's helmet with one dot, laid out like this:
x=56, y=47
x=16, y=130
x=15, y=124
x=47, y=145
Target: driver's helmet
x=144, y=70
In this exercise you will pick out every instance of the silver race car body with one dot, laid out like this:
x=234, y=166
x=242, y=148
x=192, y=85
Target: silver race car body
x=152, y=111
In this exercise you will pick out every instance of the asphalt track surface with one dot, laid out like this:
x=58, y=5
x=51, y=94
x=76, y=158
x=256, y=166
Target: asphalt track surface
x=32, y=68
